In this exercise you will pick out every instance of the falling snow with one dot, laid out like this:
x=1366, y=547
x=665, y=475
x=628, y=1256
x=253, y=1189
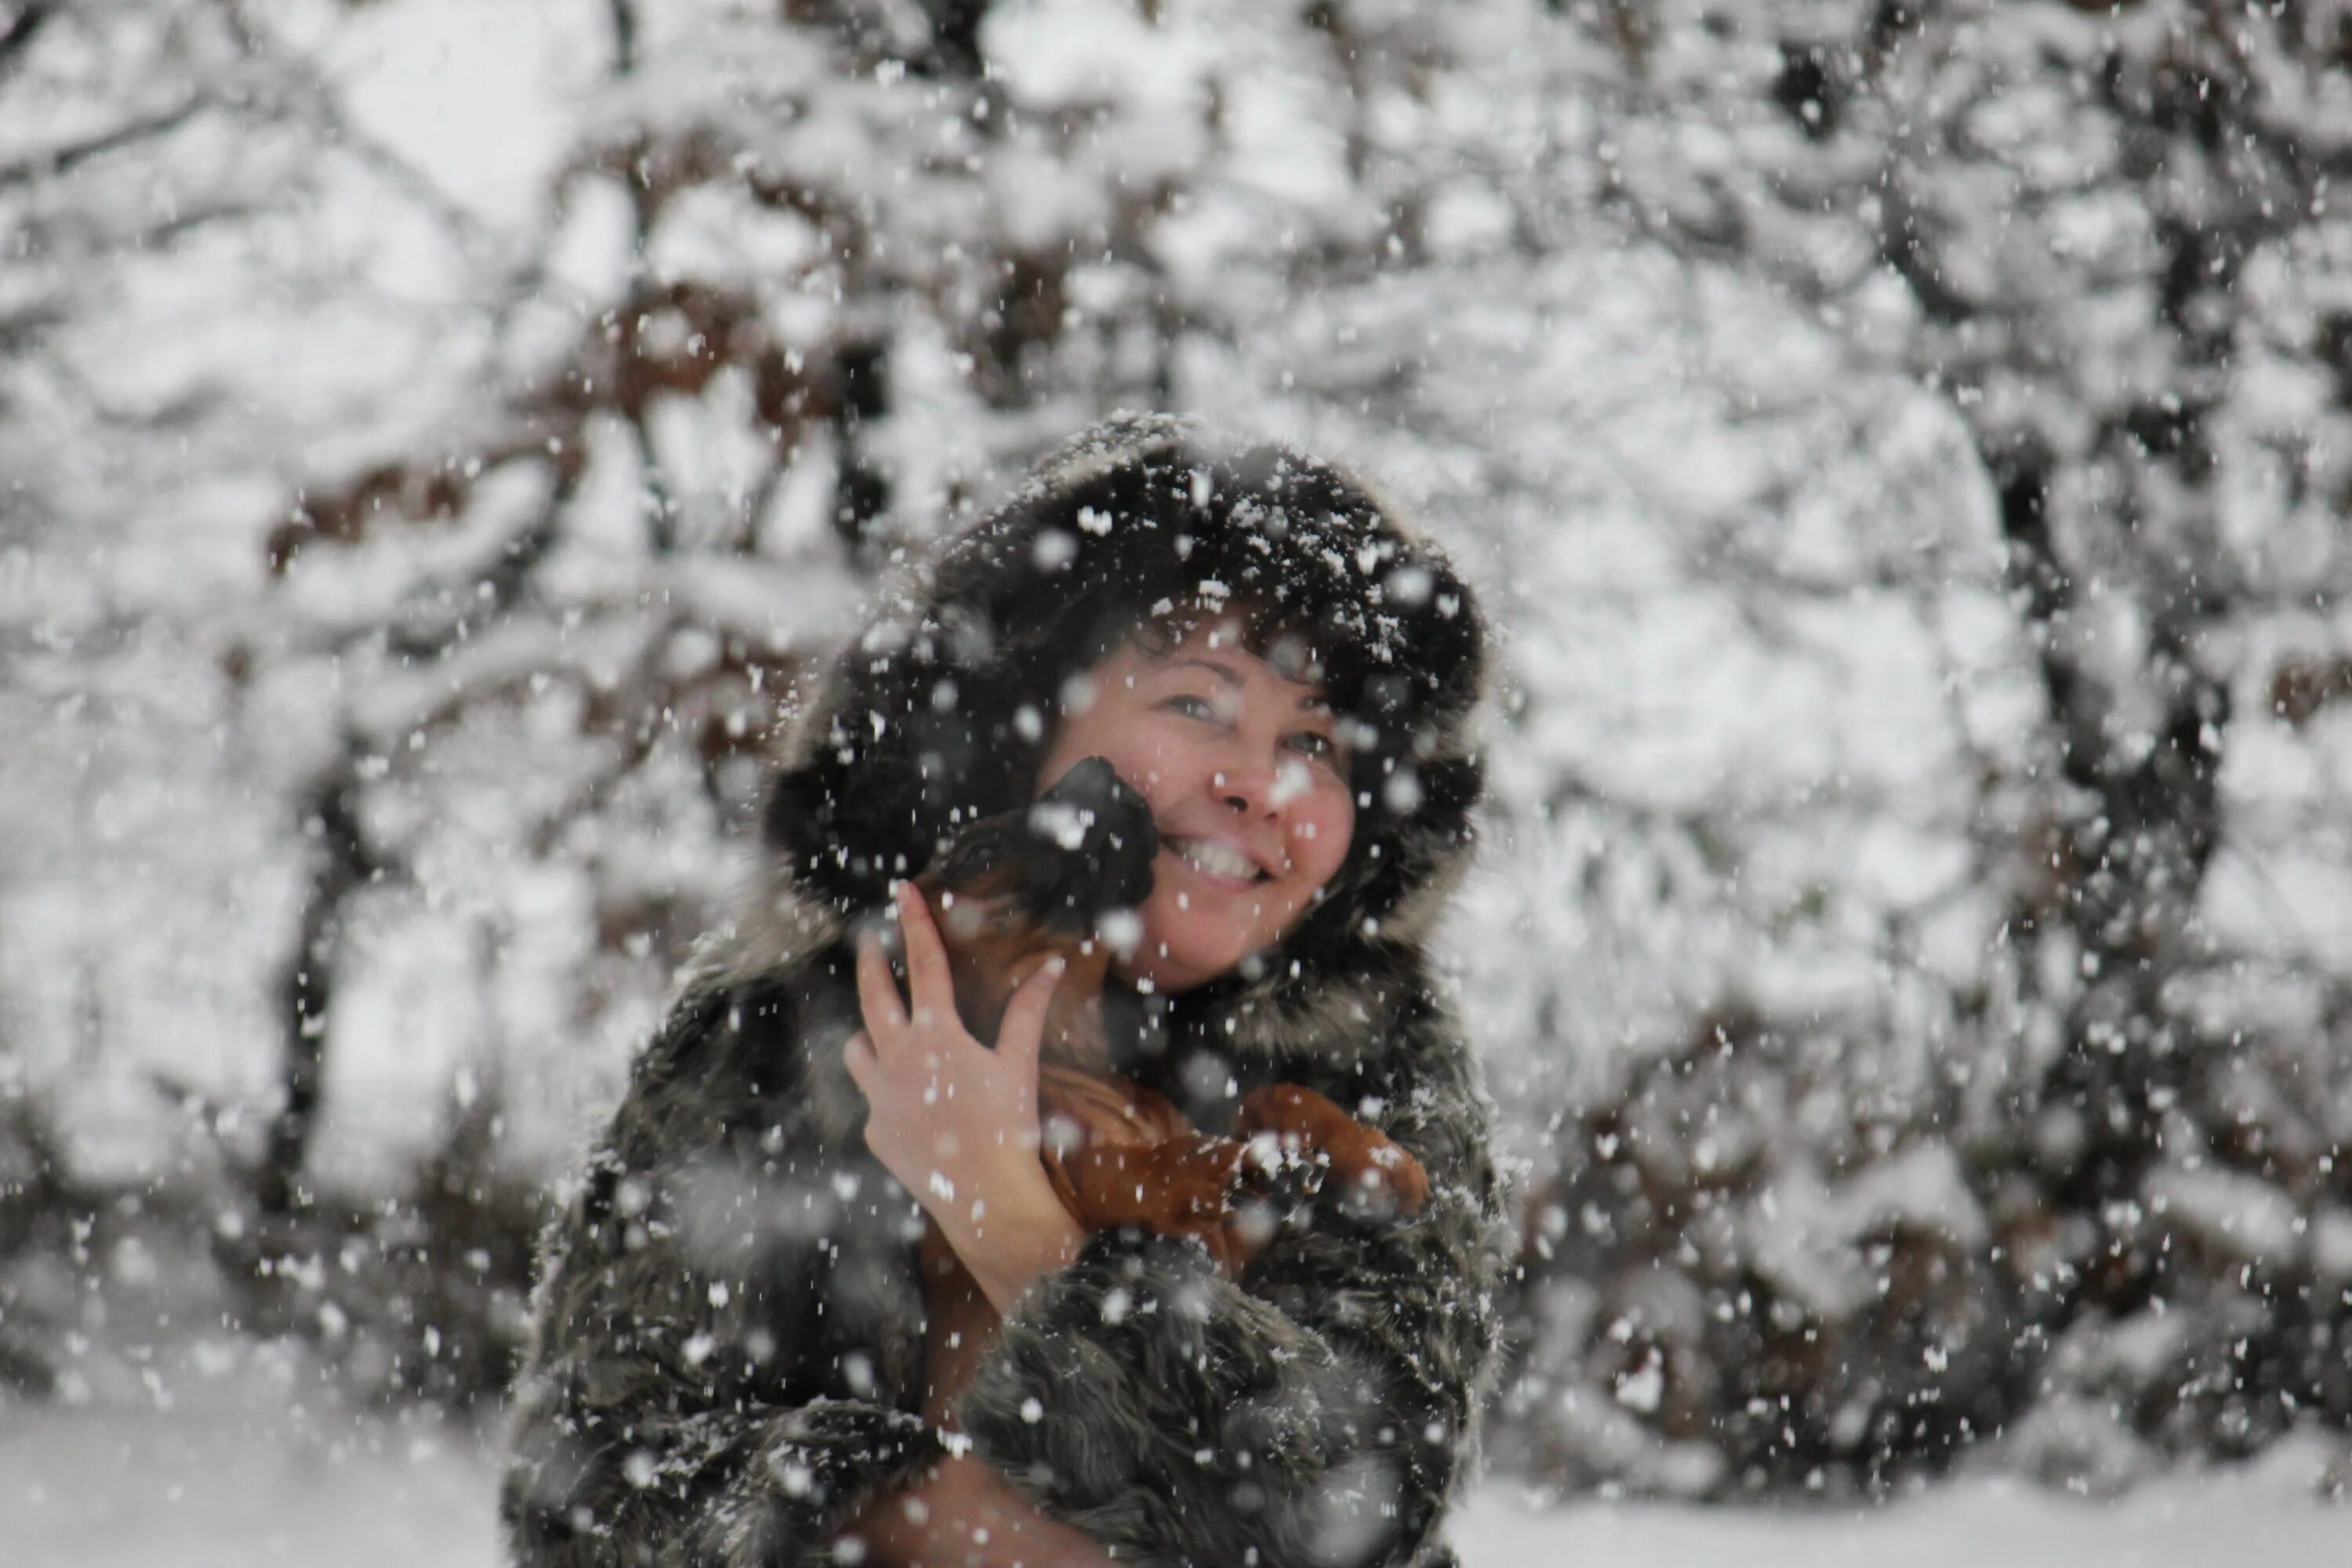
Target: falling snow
x=1903, y=452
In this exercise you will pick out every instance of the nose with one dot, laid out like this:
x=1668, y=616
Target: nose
x=1247, y=789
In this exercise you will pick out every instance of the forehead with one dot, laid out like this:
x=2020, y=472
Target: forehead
x=1232, y=645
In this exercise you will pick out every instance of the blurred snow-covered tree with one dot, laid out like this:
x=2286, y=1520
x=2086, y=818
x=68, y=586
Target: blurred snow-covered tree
x=2108, y=239
x=194, y=286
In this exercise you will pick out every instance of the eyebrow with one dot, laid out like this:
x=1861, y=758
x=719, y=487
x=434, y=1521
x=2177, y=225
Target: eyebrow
x=1312, y=699
x=1219, y=671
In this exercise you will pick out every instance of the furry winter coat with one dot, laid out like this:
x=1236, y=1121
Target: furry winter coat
x=728, y=1334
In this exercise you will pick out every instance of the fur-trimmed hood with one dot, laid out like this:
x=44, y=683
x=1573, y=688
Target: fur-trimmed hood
x=941, y=712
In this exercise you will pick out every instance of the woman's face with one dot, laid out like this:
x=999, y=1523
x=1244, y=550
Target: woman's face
x=1242, y=766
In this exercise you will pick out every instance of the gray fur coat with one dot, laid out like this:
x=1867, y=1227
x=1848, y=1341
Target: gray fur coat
x=729, y=1331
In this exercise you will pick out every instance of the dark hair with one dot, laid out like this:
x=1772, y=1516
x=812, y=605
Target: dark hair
x=943, y=710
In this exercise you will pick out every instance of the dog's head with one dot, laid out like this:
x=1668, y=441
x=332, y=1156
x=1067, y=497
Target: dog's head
x=1077, y=862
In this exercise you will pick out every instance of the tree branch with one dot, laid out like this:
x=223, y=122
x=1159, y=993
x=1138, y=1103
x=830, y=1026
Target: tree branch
x=22, y=31
x=625, y=37
x=64, y=160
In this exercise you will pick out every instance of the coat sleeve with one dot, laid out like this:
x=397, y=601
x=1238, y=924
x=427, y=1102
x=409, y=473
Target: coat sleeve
x=686, y=1399
x=1314, y=1414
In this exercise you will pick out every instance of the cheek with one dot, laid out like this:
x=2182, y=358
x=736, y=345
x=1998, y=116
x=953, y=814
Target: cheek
x=1155, y=761
x=1101, y=730
x=1139, y=750
x=1322, y=828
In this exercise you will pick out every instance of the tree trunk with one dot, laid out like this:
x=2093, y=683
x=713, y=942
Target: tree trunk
x=340, y=865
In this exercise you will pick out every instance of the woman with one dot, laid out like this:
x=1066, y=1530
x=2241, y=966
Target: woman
x=727, y=1358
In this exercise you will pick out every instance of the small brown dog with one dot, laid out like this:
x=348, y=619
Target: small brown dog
x=1064, y=877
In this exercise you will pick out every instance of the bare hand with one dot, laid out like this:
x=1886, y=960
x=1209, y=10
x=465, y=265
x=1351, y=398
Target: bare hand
x=954, y=1120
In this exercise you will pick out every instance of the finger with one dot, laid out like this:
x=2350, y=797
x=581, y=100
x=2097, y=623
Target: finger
x=1022, y=1034
x=929, y=984
x=858, y=1056
x=878, y=998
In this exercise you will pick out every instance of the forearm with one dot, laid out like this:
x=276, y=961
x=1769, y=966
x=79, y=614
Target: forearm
x=964, y=1515
x=1038, y=1237
x=1007, y=1227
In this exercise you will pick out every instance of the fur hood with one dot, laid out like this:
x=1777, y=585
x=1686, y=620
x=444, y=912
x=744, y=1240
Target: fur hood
x=940, y=712
x=728, y=1337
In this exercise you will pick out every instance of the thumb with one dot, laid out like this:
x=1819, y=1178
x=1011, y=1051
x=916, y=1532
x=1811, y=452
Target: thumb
x=1021, y=1037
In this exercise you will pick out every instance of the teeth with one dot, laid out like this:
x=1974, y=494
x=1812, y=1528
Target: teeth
x=1217, y=859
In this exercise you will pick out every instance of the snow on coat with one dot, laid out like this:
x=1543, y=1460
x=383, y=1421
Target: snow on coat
x=727, y=1351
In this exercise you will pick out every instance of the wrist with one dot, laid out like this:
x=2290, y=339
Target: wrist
x=986, y=1200
x=1022, y=1232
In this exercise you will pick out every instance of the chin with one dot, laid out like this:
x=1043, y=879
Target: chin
x=1204, y=943
x=1179, y=969
x=1175, y=956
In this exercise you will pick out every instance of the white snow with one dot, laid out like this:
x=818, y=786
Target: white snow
x=256, y=1462
x=1770, y=739
x=2201, y=1519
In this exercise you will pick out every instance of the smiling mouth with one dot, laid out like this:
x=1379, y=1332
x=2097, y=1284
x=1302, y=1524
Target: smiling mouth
x=1220, y=861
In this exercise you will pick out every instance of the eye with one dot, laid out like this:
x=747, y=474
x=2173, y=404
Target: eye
x=1316, y=744
x=1191, y=707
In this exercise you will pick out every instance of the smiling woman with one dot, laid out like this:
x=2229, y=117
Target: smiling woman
x=731, y=1363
